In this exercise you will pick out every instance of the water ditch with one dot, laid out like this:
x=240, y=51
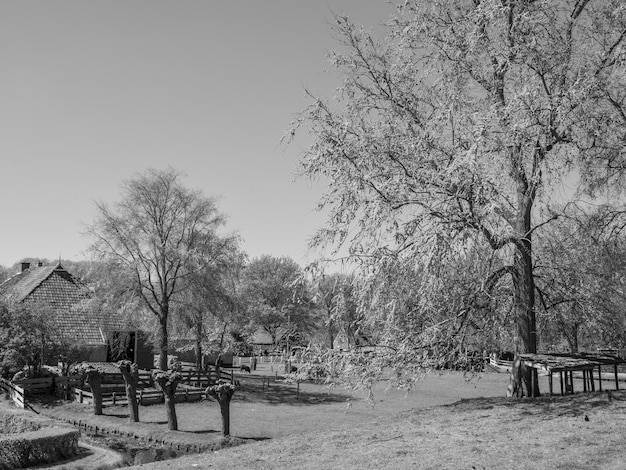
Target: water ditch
x=132, y=452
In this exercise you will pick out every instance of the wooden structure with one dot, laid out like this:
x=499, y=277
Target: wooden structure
x=567, y=364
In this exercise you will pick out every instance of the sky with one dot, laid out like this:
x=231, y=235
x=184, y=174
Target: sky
x=93, y=92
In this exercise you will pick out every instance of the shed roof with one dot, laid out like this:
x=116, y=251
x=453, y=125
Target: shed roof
x=563, y=361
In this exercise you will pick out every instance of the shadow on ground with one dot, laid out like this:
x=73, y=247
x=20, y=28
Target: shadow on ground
x=251, y=391
x=546, y=407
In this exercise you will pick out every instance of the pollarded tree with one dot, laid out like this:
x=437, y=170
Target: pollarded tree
x=166, y=382
x=158, y=231
x=130, y=374
x=93, y=376
x=447, y=136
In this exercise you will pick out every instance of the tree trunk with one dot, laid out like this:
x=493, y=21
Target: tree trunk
x=166, y=382
x=131, y=396
x=223, y=393
x=572, y=337
x=95, y=383
x=163, y=343
x=170, y=406
x=524, y=296
x=199, y=346
x=130, y=373
x=225, y=411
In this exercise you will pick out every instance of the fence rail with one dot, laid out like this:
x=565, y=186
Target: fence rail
x=207, y=377
x=16, y=392
x=144, y=397
x=69, y=387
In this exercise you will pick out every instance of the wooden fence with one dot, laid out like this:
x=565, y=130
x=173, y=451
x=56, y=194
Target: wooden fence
x=16, y=392
x=144, y=397
x=191, y=389
x=206, y=378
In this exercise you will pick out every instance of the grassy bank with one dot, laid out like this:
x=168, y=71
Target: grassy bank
x=585, y=431
x=428, y=428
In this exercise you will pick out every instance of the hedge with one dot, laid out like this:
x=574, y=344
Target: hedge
x=44, y=446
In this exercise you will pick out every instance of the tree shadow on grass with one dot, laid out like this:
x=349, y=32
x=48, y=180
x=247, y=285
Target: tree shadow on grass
x=116, y=415
x=203, y=431
x=546, y=407
x=256, y=439
x=283, y=393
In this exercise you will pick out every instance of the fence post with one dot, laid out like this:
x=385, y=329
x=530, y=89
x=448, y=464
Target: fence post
x=80, y=396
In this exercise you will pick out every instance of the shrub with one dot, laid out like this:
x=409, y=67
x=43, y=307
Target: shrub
x=44, y=446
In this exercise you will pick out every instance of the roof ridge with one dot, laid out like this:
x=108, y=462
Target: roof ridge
x=30, y=291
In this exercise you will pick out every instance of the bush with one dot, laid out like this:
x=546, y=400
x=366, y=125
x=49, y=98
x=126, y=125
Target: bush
x=44, y=446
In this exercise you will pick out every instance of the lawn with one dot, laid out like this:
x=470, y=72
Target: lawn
x=428, y=428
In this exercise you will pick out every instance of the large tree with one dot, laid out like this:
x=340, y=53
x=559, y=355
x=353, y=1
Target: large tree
x=277, y=297
x=449, y=136
x=210, y=306
x=159, y=231
x=334, y=297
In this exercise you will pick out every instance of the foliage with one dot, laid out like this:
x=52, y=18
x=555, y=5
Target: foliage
x=277, y=297
x=210, y=307
x=29, y=338
x=445, y=140
x=166, y=378
x=335, y=297
x=160, y=232
x=221, y=390
x=44, y=446
x=581, y=276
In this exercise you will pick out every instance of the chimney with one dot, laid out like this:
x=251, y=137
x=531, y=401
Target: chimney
x=25, y=266
x=39, y=264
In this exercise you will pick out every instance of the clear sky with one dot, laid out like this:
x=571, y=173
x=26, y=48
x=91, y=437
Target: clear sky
x=92, y=92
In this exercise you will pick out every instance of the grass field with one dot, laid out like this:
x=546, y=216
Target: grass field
x=428, y=428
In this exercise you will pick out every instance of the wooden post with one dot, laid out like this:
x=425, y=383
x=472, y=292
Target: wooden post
x=80, y=396
x=616, y=379
x=561, y=377
x=533, y=379
x=571, y=379
x=584, y=380
x=600, y=377
x=593, y=385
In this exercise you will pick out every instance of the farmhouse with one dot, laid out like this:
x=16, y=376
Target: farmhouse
x=66, y=296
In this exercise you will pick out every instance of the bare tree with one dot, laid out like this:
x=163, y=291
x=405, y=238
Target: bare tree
x=158, y=230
